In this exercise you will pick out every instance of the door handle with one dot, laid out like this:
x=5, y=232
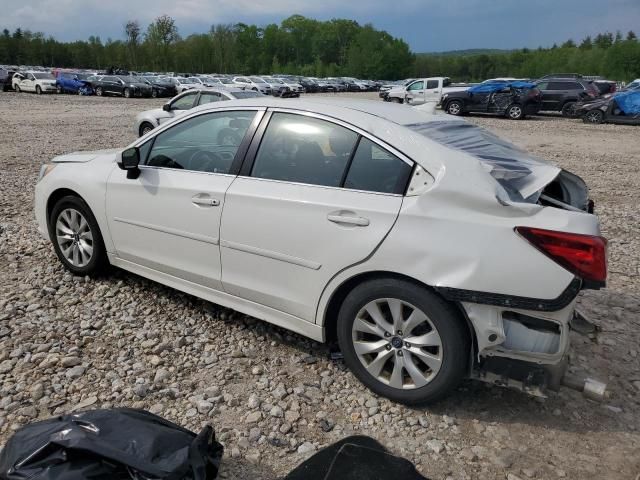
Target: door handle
x=205, y=201
x=351, y=220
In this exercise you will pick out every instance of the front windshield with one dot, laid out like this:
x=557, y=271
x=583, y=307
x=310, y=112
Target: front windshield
x=519, y=173
x=43, y=75
x=247, y=94
x=257, y=80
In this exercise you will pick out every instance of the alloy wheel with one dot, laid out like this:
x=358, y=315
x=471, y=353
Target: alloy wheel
x=397, y=343
x=74, y=237
x=593, y=117
x=454, y=108
x=515, y=112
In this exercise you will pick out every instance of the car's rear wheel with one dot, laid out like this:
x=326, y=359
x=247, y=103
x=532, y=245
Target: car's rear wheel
x=593, y=116
x=145, y=128
x=454, y=107
x=99, y=91
x=76, y=236
x=154, y=93
x=38, y=90
x=403, y=341
x=515, y=112
x=127, y=93
x=569, y=110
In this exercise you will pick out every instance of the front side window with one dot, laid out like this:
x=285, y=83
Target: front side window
x=375, y=170
x=416, y=86
x=557, y=86
x=185, y=102
x=207, y=143
x=297, y=148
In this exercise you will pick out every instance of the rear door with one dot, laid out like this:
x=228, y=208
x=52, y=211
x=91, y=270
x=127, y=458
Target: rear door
x=314, y=196
x=433, y=90
x=554, y=96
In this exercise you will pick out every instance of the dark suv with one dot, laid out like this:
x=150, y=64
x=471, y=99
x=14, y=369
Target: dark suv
x=562, y=94
x=514, y=100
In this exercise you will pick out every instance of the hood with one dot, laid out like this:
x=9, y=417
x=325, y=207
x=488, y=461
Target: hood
x=83, y=157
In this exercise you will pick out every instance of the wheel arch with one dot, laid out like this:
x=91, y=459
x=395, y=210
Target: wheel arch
x=55, y=196
x=330, y=314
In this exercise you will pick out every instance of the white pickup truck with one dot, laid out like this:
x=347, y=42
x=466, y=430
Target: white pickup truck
x=423, y=90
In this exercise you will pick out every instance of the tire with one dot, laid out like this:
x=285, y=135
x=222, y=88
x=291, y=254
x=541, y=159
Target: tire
x=126, y=93
x=568, y=109
x=593, y=116
x=59, y=89
x=38, y=90
x=145, y=128
x=454, y=107
x=515, y=111
x=67, y=244
x=99, y=91
x=154, y=93
x=448, y=360
x=17, y=89
x=396, y=100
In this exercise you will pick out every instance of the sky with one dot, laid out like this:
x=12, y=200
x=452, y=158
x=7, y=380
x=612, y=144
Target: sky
x=426, y=25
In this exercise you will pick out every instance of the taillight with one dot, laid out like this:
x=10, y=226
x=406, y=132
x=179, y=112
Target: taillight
x=583, y=255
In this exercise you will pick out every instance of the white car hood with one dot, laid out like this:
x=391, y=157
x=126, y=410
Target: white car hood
x=82, y=157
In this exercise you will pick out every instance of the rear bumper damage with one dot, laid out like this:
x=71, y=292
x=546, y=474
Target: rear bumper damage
x=528, y=350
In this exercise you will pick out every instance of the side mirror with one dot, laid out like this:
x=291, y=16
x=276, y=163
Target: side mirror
x=166, y=107
x=129, y=161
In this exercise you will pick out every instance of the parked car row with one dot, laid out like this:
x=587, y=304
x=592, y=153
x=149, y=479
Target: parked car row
x=570, y=94
x=131, y=84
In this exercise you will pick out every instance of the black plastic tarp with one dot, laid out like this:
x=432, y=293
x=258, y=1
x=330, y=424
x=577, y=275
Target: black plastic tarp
x=355, y=458
x=119, y=444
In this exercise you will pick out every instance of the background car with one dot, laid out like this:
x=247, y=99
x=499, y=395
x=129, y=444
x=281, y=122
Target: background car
x=183, y=84
x=515, y=100
x=160, y=87
x=256, y=84
x=562, y=94
x=126, y=86
x=621, y=108
x=149, y=119
x=6, y=75
x=74, y=82
x=31, y=81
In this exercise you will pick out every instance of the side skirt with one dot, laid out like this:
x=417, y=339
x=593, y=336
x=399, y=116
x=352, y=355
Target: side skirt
x=276, y=317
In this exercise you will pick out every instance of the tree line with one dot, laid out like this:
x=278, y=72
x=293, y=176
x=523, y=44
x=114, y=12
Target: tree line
x=299, y=45
x=304, y=46
x=615, y=57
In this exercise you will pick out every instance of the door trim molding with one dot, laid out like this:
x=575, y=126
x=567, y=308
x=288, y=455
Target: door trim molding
x=171, y=231
x=271, y=254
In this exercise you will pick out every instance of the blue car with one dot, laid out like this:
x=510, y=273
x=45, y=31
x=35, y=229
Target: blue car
x=70, y=82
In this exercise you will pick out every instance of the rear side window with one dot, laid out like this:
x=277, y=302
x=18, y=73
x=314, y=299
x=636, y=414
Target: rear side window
x=302, y=149
x=432, y=84
x=375, y=170
x=210, y=97
x=574, y=86
x=557, y=86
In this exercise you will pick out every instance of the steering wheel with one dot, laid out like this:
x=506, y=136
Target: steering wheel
x=205, y=161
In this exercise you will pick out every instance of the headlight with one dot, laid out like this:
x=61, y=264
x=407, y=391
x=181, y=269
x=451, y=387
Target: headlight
x=45, y=169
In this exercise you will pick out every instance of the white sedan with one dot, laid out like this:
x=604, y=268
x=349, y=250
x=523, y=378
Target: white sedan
x=430, y=249
x=36, y=82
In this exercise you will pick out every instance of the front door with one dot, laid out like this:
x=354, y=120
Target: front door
x=415, y=93
x=168, y=219
x=317, y=198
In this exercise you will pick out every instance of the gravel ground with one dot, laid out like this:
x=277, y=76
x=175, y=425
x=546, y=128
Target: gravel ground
x=68, y=343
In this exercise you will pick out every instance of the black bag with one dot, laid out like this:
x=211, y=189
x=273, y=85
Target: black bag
x=355, y=458
x=114, y=444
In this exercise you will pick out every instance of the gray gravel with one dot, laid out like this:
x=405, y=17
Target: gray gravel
x=274, y=398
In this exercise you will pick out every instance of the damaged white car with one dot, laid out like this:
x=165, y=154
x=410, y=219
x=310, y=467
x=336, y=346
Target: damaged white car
x=428, y=248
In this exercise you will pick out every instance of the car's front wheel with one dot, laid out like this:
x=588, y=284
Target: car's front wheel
x=403, y=341
x=38, y=90
x=99, y=91
x=515, y=112
x=76, y=236
x=145, y=128
x=454, y=107
x=127, y=93
x=17, y=88
x=593, y=116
